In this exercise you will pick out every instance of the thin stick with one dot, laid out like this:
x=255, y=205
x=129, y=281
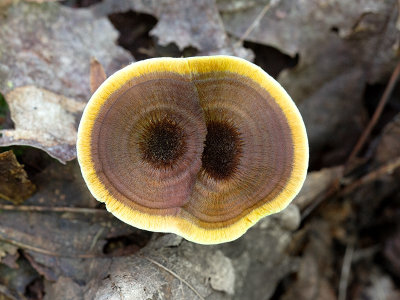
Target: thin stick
x=45, y=251
x=60, y=209
x=256, y=21
x=387, y=168
x=382, y=102
x=346, y=267
x=334, y=188
x=173, y=274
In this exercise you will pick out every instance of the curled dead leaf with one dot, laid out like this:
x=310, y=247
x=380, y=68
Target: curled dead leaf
x=195, y=24
x=50, y=45
x=43, y=120
x=97, y=74
x=14, y=183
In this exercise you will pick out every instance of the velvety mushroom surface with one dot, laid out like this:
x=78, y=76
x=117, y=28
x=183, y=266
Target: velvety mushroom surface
x=202, y=147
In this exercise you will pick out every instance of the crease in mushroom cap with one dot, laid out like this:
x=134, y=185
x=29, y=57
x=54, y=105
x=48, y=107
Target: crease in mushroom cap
x=181, y=222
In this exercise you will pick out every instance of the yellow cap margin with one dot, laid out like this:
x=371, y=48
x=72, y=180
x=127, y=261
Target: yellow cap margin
x=175, y=224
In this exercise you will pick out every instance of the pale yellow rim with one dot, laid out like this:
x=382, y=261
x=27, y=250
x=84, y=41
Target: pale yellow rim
x=173, y=224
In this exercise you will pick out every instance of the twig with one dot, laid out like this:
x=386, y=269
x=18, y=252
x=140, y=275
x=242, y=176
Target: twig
x=256, y=21
x=382, y=102
x=96, y=238
x=51, y=209
x=173, y=274
x=334, y=188
x=346, y=267
x=45, y=251
x=373, y=175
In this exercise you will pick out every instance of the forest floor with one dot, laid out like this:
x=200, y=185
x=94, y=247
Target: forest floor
x=339, y=239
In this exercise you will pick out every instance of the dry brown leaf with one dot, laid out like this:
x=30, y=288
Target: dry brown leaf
x=14, y=183
x=49, y=45
x=217, y=271
x=97, y=75
x=56, y=241
x=164, y=268
x=342, y=45
x=43, y=120
x=186, y=23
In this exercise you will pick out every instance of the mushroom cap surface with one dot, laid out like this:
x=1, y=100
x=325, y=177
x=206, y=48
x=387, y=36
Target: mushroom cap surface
x=203, y=147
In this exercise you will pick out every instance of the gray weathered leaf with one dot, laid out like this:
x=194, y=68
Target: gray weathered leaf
x=169, y=268
x=44, y=120
x=186, y=23
x=50, y=46
x=341, y=46
x=235, y=270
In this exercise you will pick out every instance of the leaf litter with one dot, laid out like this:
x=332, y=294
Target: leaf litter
x=61, y=243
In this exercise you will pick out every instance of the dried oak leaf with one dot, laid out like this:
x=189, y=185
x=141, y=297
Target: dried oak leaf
x=50, y=46
x=185, y=23
x=14, y=183
x=44, y=120
x=341, y=46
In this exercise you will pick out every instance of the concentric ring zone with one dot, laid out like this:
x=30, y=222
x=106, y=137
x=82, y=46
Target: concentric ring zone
x=264, y=129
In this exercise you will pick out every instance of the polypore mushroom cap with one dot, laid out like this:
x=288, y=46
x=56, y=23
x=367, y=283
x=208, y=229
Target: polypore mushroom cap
x=203, y=147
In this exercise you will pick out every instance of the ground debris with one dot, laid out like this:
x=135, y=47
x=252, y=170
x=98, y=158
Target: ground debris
x=44, y=120
x=340, y=238
x=53, y=46
x=185, y=23
x=14, y=183
x=336, y=41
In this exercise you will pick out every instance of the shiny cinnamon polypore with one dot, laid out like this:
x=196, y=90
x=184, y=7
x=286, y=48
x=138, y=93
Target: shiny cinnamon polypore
x=203, y=147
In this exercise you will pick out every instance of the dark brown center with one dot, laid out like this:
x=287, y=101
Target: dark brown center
x=162, y=143
x=222, y=150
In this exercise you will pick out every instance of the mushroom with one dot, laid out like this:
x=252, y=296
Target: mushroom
x=203, y=147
